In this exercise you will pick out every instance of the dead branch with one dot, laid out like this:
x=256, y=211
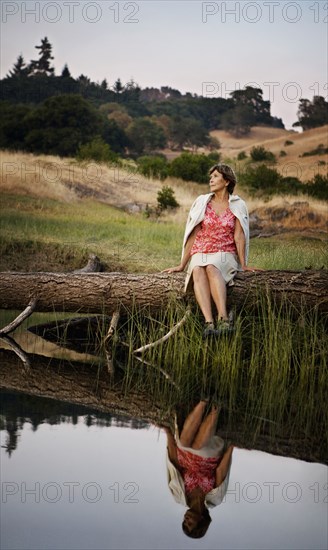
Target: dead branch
x=20, y=318
x=166, y=336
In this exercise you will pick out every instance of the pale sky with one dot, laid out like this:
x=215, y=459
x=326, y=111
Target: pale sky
x=207, y=48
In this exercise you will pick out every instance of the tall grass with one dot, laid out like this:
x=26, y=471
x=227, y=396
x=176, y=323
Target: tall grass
x=270, y=375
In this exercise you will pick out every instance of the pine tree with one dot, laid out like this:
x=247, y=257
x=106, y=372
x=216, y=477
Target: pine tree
x=66, y=72
x=118, y=86
x=42, y=65
x=19, y=69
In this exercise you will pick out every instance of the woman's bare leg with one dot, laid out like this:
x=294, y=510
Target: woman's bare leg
x=207, y=429
x=218, y=290
x=203, y=292
x=192, y=424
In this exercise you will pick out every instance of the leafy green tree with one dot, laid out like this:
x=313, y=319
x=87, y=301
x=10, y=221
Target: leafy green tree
x=166, y=198
x=253, y=99
x=312, y=114
x=145, y=136
x=191, y=167
x=114, y=136
x=239, y=120
x=188, y=132
x=13, y=125
x=42, y=65
x=96, y=150
x=154, y=166
x=61, y=124
x=122, y=119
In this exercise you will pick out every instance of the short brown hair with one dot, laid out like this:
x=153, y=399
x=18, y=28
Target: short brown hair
x=200, y=528
x=228, y=174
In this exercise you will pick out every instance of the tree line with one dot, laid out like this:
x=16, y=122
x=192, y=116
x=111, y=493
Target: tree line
x=49, y=114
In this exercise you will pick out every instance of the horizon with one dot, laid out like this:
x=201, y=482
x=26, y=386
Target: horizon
x=276, y=46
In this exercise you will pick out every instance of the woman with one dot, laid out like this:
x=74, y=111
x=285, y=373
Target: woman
x=215, y=244
x=198, y=468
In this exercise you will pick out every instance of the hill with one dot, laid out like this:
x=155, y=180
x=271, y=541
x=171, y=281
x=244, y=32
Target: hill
x=274, y=140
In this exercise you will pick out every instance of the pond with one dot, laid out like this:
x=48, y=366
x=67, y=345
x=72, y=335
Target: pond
x=88, y=481
x=84, y=466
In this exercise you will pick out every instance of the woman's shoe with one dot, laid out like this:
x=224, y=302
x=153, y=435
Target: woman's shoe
x=224, y=327
x=209, y=330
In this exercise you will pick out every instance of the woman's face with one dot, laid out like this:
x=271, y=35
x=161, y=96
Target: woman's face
x=191, y=519
x=217, y=181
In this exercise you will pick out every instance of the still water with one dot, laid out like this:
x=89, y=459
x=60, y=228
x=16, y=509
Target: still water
x=90, y=481
x=74, y=477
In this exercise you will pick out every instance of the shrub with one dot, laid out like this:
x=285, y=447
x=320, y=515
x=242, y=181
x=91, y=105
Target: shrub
x=96, y=150
x=260, y=179
x=318, y=187
x=214, y=156
x=282, y=153
x=191, y=167
x=291, y=185
x=319, y=150
x=242, y=155
x=166, y=198
x=153, y=166
x=288, y=142
x=260, y=153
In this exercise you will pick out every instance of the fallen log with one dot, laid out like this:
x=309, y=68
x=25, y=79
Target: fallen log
x=107, y=292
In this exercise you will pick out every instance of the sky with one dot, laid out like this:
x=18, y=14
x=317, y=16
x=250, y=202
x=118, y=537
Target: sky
x=73, y=486
x=206, y=48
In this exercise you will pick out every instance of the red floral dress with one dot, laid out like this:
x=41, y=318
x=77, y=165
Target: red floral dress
x=216, y=233
x=197, y=471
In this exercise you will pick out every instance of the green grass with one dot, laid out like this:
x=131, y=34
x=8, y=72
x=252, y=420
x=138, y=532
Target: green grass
x=68, y=232
x=118, y=238
x=270, y=376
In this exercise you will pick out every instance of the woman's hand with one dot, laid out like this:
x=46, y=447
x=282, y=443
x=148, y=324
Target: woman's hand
x=176, y=269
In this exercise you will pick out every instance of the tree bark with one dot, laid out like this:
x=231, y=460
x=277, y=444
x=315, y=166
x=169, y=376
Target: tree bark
x=106, y=292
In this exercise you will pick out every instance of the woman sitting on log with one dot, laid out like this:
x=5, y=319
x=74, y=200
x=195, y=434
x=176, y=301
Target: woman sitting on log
x=216, y=242
x=198, y=468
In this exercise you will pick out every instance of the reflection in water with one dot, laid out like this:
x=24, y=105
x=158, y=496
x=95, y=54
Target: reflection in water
x=17, y=409
x=78, y=486
x=72, y=400
x=198, y=467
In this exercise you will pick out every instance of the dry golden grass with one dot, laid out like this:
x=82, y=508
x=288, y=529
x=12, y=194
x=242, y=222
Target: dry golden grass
x=273, y=139
x=70, y=181
x=67, y=180
x=292, y=213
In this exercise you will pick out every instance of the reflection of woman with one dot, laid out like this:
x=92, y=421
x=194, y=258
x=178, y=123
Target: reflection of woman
x=198, y=468
x=216, y=245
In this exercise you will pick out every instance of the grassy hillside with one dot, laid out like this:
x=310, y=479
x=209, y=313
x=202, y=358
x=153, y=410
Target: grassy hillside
x=55, y=211
x=274, y=139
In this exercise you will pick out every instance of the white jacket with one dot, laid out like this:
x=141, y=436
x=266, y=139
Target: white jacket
x=197, y=213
